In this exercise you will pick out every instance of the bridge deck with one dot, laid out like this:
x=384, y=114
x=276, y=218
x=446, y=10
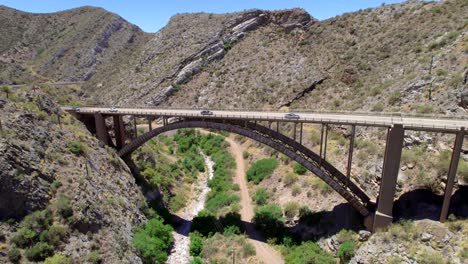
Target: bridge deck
x=442, y=124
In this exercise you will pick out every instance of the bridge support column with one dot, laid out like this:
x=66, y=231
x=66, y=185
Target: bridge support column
x=101, y=129
x=383, y=215
x=350, y=153
x=295, y=127
x=300, y=134
x=135, y=126
x=119, y=131
x=150, y=125
x=452, y=173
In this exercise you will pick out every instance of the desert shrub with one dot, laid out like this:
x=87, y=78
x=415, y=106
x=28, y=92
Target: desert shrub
x=196, y=244
x=290, y=178
x=153, y=240
x=63, y=206
x=75, y=147
x=347, y=236
x=197, y=260
x=378, y=107
x=245, y=154
x=346, y=251
x=296, y=190
x=39, y=252
x=94, y=257
x=261, y=169
x=291, y=209
x=394, y=98
x=269, y=220
x=261, y=196
x=424, y=109
x=433, y=257
x=299, y=169
x=56, y=234
x=14, y=255
x=248, y=249
x=37, y=221
x=24, y=237
x=57, y=259
x=177, y=202
x=308, y=252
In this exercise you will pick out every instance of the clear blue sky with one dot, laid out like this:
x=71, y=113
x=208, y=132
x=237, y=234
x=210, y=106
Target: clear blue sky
x=152, y=15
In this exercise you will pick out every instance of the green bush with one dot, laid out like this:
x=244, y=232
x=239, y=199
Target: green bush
x=153, y=240
x=14, y=255
x=346, y=251
x=196, y=244
x=39, y=252
x=197, y=260
x=299, y=169
x=308, y=252
x=269, y=220
x=261, y=169
x=24, y=237
x=56, y=234
x=261, y=196
x=75, y=147
x=57, y=259
x=64, y=207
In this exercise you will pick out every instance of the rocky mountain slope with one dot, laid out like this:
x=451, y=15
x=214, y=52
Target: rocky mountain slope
x=64, y=46
x=371, y=60
x=57, y=178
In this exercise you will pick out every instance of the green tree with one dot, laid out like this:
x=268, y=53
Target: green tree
x=153, y=241
x=14, y=255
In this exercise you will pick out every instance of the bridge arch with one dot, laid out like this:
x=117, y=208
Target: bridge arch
x=289, y=147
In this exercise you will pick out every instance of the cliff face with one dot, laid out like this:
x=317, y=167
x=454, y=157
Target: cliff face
x=63, y=171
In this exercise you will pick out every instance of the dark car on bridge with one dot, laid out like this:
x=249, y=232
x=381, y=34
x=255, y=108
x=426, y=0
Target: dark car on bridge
x=291, y=116
x=76, y=108
x=206, y=112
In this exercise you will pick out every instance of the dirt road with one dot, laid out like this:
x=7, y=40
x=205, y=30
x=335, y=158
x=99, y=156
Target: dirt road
x=265, y=253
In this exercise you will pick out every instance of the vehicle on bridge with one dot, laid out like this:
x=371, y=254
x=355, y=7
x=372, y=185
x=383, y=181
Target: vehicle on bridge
x=291, y=116
x=76, y=108
x=206, y=112
x=113, y=109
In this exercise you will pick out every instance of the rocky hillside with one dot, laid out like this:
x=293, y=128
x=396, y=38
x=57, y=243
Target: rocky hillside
x=61, y=191
x=407, y=57
x=64, y=46
x=371, y=60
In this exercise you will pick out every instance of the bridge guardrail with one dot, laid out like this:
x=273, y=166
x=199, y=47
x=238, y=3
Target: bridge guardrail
x=306, y=111
x=281, y=118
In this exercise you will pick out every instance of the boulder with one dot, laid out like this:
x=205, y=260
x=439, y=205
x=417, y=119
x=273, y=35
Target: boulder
x=364, y=235
x=425, y=237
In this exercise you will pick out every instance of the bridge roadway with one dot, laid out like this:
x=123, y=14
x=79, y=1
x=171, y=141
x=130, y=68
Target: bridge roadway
x=420, y=123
